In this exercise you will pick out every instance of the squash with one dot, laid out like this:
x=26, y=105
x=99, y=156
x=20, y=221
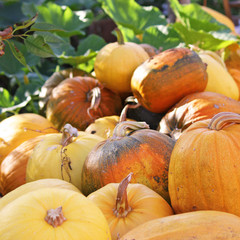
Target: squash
x=35, y=185
x=53, y=213
x=13, y=166
x=204, y=157
x=167, y=77
x=18, y=128
x=135, y=148
x=195, y=107
x=219, y=79
x=79, y=101
x=115, y=63
x=127, y=205
x=61, y=155
x=201, y=225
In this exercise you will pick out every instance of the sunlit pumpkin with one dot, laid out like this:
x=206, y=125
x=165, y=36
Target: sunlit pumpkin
x=127, y=205
x=134, y=148
x=53, y=213
x=204, y=166
x=61, y=155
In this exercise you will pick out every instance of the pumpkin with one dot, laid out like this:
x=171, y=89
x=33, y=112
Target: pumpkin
x=18, y=128
x=35, y=185
x=115, y=63
x=61, y=155
x=126, y=206
x=219, y=79
x=204, y=157
x=13, y=166
x=167, y=77
x=195, y=107
x=151, y=50
x=200, y=225
x=79, y=101
x=135, y=148
x=53, y=213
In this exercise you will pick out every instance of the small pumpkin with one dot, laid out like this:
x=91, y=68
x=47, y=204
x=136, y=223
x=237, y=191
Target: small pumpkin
x=195, y=107
x=115, y=63
x=61, y=155
x=53, y=213
x=167, y=77
x=135, y=148
x=35, y=185
x=204, y=157
x=79, y=101
x=18, y=128
x=209, y=225
x=127, y=205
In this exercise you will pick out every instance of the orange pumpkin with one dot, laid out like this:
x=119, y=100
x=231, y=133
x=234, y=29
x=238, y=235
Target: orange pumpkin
x=79, y=101
x=132, y=148
x=167, y=77
x=126, y=206
x=204, y=157
x=202, y=225
x=195, y=107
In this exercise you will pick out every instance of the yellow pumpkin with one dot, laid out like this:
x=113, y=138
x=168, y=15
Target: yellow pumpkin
x=35, y=185
x=53, y=213
x=126, y=206
x=219, y=79
x=61, y=155
x=116, y=62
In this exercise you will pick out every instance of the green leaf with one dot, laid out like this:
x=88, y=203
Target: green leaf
x=25, y=24
x=131, y=15
x=36, y=45
x=43, y=26
x=5, y=98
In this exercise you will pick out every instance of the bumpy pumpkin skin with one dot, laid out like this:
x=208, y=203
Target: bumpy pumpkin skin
x=195, y=107
x=70, y=100
x=144, y=152
x=201, y=225
x=24, y=218
x=18, y=128
x=203, y=169
x=167, y=77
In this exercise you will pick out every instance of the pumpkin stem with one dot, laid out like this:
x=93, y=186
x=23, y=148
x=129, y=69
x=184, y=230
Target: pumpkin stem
x=122, y=208
x=122, y=128
x=95, y=97
x=119, y=36
x=55, y=217
x=223, y=119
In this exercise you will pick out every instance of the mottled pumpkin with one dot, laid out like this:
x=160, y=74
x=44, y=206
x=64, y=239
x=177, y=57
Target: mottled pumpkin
x=134, y=148
x=204, y=166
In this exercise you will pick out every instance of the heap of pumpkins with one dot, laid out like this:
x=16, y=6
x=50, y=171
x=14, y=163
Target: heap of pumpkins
x=146, y=147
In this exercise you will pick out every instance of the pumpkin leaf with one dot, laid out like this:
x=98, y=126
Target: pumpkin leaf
x=6, y=99
x=43, y=26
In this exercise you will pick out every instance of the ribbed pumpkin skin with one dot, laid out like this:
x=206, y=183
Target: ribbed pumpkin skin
x=23, y=218
x=195, y=107
x=69, y=102
x=145, y=152
x=204, y=169
x=35, y=185
x=13, y=166
x=200, y=225
x=45, y=161
x=18, y=128
x=164, y=79
x=145, y=205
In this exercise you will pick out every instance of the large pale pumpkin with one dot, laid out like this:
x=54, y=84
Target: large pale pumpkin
x=35, y=185
x=132, y=148
x=18, y=128
x=53, y=213
x=199, y=225
x=195, y=107
x=116, y=62
x=204, y=166
x=61, y=155
x=167, y=77
x=127, y=205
